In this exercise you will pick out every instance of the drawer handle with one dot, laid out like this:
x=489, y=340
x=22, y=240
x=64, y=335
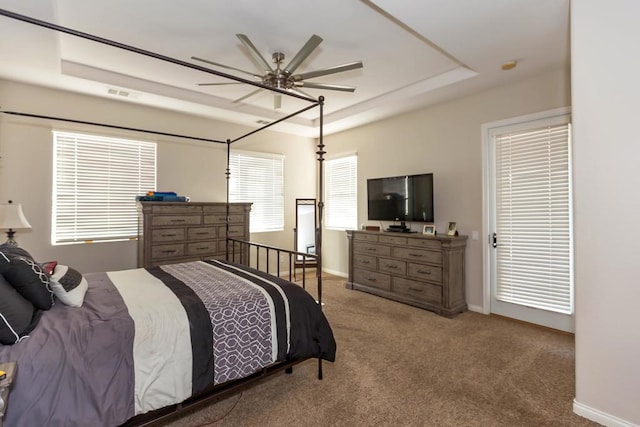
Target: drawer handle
x=169, y=251
x=202, y=233
x=394, y=267
x=371, y=279
x=202, y=248
x=177, y=220
x=364, y=262
x=416, y=255
x=168, y=235
x=371, y=249
x=424, y=272
x=416, y=289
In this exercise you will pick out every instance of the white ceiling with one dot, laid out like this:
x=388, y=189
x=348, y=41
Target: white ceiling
x=415, y=53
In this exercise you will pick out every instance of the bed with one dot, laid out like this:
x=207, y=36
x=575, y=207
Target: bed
x=146, y=342
x=145, y=339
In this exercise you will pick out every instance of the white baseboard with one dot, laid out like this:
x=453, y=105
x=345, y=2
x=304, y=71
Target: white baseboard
x=599, y=416
x=335, y=272
x=476, y=308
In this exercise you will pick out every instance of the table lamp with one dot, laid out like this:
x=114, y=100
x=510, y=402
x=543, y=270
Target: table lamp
x=11, y=218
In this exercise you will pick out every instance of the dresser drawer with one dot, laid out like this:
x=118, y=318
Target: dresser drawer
x=394, y=240
x=235, y=231
x=365, y=237
x=371, y=248
x=365, y=261
x=425, y=243
x=176, y=209
x=202, y=233
x=419, y=291
x=167, y=251
x=425, y=272
x=160, y=220
x=221, y=219
x=167, y=235
x=392, y=266
x=222, y=209
x=222, y=246
x=202, y=248
x=369, y=278
x=419, y=255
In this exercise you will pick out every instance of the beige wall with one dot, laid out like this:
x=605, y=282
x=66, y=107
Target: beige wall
x=193, y=169
x=607, y=208
x=446, y=140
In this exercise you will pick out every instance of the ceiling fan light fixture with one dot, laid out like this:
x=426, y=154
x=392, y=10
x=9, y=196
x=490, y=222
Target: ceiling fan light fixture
x=283, y=78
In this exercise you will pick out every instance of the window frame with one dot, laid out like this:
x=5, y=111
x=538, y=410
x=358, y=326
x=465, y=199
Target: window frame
x=274, y=212
x=75, y=156
x=351, y=223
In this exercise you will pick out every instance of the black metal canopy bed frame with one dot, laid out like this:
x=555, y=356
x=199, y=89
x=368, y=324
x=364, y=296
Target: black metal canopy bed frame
x=218, y=391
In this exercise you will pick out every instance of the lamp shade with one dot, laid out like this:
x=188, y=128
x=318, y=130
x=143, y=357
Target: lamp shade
x=11, y=217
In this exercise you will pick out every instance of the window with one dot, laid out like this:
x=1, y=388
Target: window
x=341, y=193
x=258, y=178
x=96, y=180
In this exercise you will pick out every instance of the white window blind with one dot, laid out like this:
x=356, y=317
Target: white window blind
x=341, y=186
x=533, y=219
x=258, y=178
x=96, y=181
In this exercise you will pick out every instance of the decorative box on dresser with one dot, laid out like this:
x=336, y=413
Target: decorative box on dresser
x=423, y=271
x=172, y=232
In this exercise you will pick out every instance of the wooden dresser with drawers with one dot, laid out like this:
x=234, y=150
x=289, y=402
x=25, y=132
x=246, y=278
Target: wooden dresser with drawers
x=423, y=271
x=171, y=232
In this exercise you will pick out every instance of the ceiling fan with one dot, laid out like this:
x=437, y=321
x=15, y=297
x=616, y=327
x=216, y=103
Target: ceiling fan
x=283, y=78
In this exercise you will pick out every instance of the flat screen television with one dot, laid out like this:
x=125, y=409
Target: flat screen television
x=401, y=198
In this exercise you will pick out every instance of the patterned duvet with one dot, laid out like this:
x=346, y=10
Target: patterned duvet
x=149, y=338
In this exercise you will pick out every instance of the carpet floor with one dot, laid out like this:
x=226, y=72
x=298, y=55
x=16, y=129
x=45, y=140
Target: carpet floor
x=398, y=365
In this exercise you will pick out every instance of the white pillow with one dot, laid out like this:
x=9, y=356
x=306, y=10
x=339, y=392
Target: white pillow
x=68, y=285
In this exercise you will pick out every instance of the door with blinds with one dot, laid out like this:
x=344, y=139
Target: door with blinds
x=531, y=239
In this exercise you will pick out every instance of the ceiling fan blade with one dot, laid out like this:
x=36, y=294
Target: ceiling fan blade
x=219, y=84
x=326, y=86
x=330, y=70
x=242, y=98
x=254, y=52
x=306, y=50
x=277, y=101
x=226, y=66
x=299, y=92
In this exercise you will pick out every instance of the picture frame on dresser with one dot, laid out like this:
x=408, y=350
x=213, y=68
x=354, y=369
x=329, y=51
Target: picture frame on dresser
x=429, y=229
x=452, y=229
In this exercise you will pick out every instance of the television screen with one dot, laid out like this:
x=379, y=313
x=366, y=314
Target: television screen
x=401, y=198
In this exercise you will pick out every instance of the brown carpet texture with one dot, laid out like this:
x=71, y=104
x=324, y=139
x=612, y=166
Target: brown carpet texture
x=398, y=365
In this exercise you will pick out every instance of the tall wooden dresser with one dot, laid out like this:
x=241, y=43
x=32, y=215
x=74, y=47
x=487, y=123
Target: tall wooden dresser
x=171, y=232
x=423, y=271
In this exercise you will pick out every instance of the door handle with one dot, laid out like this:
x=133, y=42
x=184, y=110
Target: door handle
x=495, y=240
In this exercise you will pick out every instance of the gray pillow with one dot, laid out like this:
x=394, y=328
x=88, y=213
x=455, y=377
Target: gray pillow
x=18, y=317
x=27, y=277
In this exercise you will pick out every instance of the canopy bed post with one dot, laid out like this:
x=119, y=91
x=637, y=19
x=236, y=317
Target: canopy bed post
x=228, y=177
x=320, y=154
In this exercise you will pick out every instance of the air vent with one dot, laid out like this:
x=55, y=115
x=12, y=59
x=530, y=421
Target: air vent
x=120, y=92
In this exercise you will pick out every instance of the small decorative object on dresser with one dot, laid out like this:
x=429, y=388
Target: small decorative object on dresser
x=429, y=229
x=419, y=270
x=452, y=229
